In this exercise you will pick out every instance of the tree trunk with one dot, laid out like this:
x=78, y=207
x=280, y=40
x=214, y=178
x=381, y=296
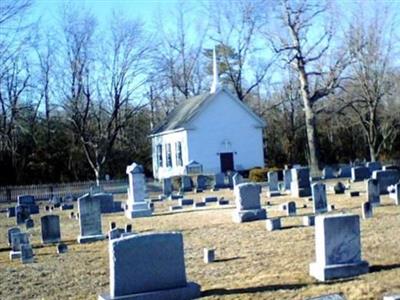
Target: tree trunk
x=372, y=152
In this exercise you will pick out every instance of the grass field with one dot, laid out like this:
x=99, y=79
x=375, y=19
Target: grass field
x=252, y=263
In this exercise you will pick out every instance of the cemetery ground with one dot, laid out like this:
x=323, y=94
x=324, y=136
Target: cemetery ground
x=251, y=263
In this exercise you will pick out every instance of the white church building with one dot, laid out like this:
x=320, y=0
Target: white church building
x=215, y=129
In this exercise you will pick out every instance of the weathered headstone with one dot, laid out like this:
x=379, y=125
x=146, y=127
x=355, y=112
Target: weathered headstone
x=167, y=186
x=184, y=202
x=29, y=223
x=219, y=181
x=320, y=203
x=201, y=183
x=344, y=172
x=28, y=201
x=136, y=204
x=291, y=208
x=327, y=173
x=208, y=255
x=128, y=228
x=338, y=247
x=373, y=166
x=149, y=266
x=386, y=178
x=248, y=205
x=273, y=224
x=50, y=225
x=186, y=184
x=287, y=178
x=373, y=194
x=300, y=185
x=273, y=188
x=359, y=173
x=17, y=239
x=209, y=199
x=89, y=219
x=22, y=213
x=309, y=220
x=11, y=231
x=107, y=204
x=26, y=253
x=10, y=212
x=367, y=210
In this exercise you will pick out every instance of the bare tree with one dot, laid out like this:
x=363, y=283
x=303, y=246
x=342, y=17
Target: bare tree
x=370, y=96
x=307, y=56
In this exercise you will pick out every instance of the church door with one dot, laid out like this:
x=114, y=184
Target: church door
x=226, y=162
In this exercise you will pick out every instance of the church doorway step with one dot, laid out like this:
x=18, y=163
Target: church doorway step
x=226, y=162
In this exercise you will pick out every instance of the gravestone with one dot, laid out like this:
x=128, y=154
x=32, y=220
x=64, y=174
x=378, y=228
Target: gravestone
x=107, y=204
x=359, y=174
x=149, y=266
x=327, y=173
x=137, y=206
x=115, y=233
x=230, y=179
x=309, y=220
x=22, y=213
x=29, y=223
x=128, y=228
x=223, y=201
x=273, y=189
x=66, y=206
x=397, y=194
x=320, y=203
x=201, y=182
x=300, y=185
x=287, y=178
x=50, y=225
x=186, y=184
x=10, y=212
x=339, y=188
x=62, y=248
x=26, y=254
x=373, y=195
x=184, y=202
x=248, y=206
x=199, y=204
x=167, y=186
x=17, y=239
x=89, y=219
x=11, y=231
x=337, y=247
x=386, y=178
x=28, y=201
x=175, y=207
x=273, y=224
x=208, y=255
x=219, y=181
x=291, y=208
x=344, y=172
x=373, y=166
x=367, y=211
x=209, y=199
x=112, y=225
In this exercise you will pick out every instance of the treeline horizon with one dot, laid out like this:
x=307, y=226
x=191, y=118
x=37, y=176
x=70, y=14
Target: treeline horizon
x=79, y=101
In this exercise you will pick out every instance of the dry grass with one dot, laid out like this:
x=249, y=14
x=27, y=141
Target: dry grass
x=251, y=262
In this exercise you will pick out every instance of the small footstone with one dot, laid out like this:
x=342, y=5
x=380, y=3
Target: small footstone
x=273, y=224
x=209, y=255
x=128, y=228
x=112, y=225
x=366, y=208
x=353, y=193
x=29, y=223
x=199, y=204
x=222, y=201
x=309, y=220
x=175, y=207
x=72, y=215
x=62, y=248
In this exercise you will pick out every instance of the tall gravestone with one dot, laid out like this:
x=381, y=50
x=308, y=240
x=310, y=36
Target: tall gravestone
x=373, y=194
x=287, y=178
x=320, y=203
x=248, y=205
x=201, y=182
x=386, y=178
x=167, y=186
x=137, y=206
x=273, y=189
x=89, y=219
x=300, y=185
x=186, y=184
x=337, y=247
x=11, y=231
x=149, y=266
x=22, y=213
x=50, y=226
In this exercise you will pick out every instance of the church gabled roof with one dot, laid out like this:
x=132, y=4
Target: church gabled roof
x=189, y=108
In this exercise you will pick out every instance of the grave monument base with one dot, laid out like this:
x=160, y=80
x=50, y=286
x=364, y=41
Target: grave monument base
x=240, y=216
x=324, y=273
x=190, y=291
x=90, y=238
x=271, y=194
x=138, y=210
x=15, y=255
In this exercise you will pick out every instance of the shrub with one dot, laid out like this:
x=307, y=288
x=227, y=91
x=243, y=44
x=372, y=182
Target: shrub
x=258, y=174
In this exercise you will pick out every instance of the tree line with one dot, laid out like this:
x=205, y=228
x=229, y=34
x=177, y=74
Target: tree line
x=78, y=100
